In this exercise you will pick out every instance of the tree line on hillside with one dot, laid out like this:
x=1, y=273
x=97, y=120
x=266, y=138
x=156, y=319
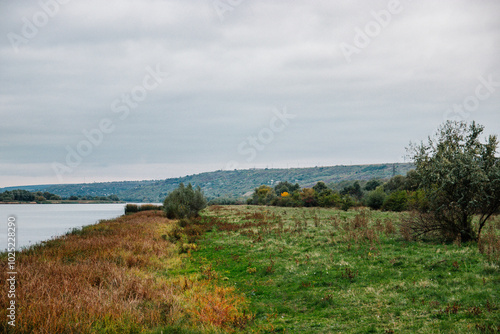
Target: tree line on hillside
x=225, y=186
x=20, y=195
x=396, y=194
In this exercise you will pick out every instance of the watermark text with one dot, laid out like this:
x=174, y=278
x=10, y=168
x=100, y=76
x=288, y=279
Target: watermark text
x=462, y=111
x=11, y=270
x=31, y=26
x=250, y=147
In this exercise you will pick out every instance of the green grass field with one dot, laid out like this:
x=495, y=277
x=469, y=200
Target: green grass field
x=308, y=270
x=255, y=270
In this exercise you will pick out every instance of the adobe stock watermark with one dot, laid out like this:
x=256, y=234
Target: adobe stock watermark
x=250, y=147
x=483, y=91
x=121, y=108
x=31, y=26
x=372, y=29
x=223, y=7
x=11, y=269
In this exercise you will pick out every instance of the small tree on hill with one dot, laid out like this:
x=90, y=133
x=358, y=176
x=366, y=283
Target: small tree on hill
x=184, y=202
x=263, y=195
x=460, y=177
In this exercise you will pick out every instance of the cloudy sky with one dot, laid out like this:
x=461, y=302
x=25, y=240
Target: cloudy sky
x=132, y=90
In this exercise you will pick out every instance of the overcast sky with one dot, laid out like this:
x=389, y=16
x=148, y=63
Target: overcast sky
x=151, y=89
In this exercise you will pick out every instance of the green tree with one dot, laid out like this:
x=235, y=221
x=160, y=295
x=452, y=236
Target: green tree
x=325, y=196
x=263, y=195
x=184, y=202
x=320, y=186
x=40, y=199
x=411, y=180
x=114, y=198
x=375, y=198
x=347, y=202
x=23, y=195
x=372, y=184
x=460, y=176
x=353, y=190
x=307, y=196
x=286, y=187
x=395, y=183
x=396, y=201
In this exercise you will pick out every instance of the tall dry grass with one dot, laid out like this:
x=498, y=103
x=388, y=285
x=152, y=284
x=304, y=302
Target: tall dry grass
x=106, y=279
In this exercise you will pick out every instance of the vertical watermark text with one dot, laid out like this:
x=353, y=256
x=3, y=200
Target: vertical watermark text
x=11, y=270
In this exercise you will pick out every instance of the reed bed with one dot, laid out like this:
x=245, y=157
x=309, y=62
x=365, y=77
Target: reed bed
x=111, y=278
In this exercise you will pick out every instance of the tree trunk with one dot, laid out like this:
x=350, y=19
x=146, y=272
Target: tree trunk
x=467, y=233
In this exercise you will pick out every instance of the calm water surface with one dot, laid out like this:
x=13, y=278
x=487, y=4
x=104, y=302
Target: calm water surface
x=39, y=222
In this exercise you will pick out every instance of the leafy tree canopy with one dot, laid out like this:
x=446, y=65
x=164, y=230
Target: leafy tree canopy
x=184, y=202
x=460, y=176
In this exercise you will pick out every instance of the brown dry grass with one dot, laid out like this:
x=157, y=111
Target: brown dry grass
x=106, y=279
x=489, y=244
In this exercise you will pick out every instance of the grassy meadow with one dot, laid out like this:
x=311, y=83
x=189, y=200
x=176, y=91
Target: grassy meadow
x=253, y=269
x=308, y=270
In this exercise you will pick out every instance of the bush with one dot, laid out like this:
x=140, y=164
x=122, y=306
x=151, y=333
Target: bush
x=263, y=195
x=396, y=201
x=150, y=207
x=353, y=190
x=329, y=199
x=395, y=183
x=372, y=184
x=307, y=195
x=131, y=208
x=40, y=199
x=286, y=187
x=347, y=202
x=418, y=201
x=375, y=199
x=184, y=202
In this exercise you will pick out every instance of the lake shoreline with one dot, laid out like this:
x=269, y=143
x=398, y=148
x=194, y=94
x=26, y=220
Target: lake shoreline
x=36, y=223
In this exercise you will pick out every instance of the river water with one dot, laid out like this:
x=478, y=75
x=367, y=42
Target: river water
x=39, y=222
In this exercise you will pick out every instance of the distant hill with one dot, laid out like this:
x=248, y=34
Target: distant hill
x=235, y=183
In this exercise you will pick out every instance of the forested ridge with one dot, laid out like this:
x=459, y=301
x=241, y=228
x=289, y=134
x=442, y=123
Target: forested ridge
x=225, y=184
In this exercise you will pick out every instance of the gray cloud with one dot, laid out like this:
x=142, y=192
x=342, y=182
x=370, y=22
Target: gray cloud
x=225, y=78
